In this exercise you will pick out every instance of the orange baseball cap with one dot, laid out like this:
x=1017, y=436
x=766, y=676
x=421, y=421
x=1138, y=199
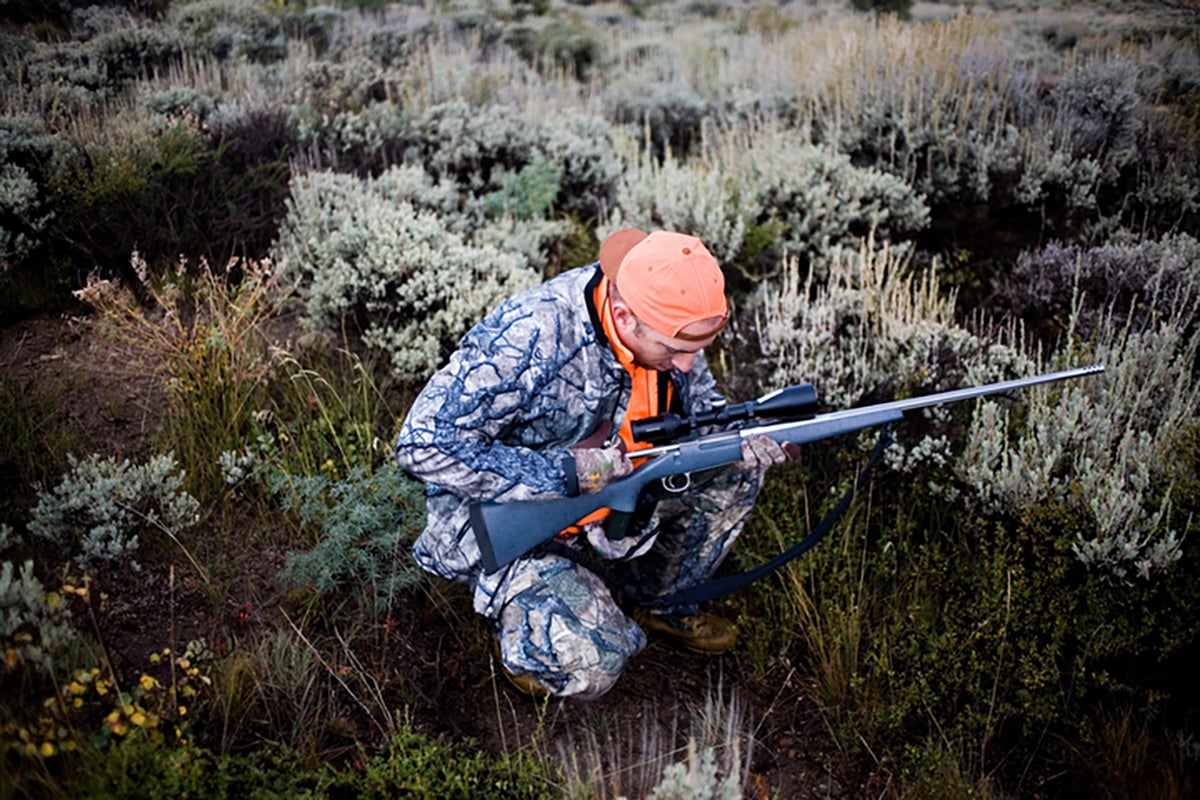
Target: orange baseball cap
x=669, y=280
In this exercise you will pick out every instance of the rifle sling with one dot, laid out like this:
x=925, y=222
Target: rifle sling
x=711, y=590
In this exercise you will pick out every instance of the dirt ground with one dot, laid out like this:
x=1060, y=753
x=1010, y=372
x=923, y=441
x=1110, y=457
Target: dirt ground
x=112, y=404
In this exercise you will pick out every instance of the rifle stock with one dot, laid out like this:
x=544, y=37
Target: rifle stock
x=506, y=531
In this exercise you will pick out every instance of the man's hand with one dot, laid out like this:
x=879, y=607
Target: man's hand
x=597, y=467
x=760, y=452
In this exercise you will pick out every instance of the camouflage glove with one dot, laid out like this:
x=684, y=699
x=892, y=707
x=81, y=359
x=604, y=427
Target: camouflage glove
x=596, y=467
x=760, y=452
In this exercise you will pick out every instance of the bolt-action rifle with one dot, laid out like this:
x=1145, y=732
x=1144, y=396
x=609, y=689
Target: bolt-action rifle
x=506, y=531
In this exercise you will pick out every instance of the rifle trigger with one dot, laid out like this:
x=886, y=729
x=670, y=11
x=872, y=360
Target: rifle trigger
x=677, y=483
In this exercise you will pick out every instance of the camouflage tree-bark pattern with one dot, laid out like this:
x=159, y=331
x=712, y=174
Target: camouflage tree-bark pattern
x=535, y=377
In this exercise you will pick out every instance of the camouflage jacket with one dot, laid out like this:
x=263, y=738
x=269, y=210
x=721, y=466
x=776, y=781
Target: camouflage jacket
x=535, y=377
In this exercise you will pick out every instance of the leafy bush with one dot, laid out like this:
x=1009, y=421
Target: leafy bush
x=1107, y=455
x=26, y=210
x=1062, y=284
x=700, y=778
x=954, y=112
x=671, y=112
x=179, y=101
x=558, y=45
x=759, y=195
x=127, y=54
x=474, y=148
x=872, y=329
x=360, y=254
x=140, y=768
x=432, y=768
x=899, y=7
x=206, y=336
x=231, y=29
x=364, y=525
x=101, y=508
x=35, y=625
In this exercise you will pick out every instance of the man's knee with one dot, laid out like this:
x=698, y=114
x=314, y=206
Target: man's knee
x=582, y=663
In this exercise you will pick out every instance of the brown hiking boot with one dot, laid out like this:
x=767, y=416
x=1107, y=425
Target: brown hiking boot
x=700, y=632
x=526, y=684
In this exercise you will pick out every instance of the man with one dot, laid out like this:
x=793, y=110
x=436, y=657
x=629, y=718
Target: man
x=537, y=404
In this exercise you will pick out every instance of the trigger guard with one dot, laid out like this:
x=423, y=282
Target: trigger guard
x=677, y=483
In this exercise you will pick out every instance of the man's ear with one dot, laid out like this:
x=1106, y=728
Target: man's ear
x=624, y=318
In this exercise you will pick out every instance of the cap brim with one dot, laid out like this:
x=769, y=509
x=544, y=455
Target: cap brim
x=614, y=248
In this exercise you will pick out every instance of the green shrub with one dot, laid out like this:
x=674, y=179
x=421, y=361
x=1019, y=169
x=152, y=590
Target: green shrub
x=26, y=210
x=179, y=101
x=206, y=337
x=1068, y=283
x=100, y=510
x=35, y=624
x=24, y=215
x=902, y=8
x=700, y=778
x=756, y=196
x=315, y=26
x=363, y=525
x=473, y=148
x=129, y=186
x=359, y=254
x=1107, y=453
x=365, y=141
x=130, y=53
x=525, y=195
x=872, y=328
x=671, y=113
x=230, y=29
x=559, y=45
x=418, y=766
x=210, y=186
x=140, y=768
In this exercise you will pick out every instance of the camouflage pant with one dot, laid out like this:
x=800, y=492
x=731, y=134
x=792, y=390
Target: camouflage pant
x=558, y=621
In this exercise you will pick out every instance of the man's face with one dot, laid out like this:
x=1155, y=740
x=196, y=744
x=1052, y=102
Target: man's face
x=654, y=350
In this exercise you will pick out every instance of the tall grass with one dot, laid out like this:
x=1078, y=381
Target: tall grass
x=207, y=336
x=705, y=756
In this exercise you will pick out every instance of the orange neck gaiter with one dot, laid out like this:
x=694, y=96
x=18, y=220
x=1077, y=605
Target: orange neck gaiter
x=644, y=401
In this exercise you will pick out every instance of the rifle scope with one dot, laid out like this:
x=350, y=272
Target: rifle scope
x=793, y=402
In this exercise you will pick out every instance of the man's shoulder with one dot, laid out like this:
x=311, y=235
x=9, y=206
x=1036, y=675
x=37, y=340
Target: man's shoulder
x=565, y=291
x=570, y=283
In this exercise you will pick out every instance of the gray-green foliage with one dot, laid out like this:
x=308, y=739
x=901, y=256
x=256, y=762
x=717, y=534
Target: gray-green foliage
x=871, y=327
x=231, y=28
x=1106, y=449
x=476, y=146
x=365, y=253
x=19, y=196
x=1108, y=454
x=35, y=625
x=26, y=149
x=364, y=524
x=1144, y=279
x=811, y=199
x=699, y=778
x=102, y=507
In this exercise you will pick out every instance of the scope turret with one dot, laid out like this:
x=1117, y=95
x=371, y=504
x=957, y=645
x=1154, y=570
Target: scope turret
x=793, y=402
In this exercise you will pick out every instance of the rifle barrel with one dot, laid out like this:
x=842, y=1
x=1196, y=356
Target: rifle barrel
x=909, y=403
